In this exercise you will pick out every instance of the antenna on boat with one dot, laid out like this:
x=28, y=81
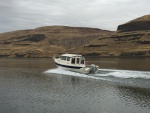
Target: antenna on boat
x=54, y=56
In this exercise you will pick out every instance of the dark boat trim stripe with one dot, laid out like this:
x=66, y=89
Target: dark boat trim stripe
x=73, y=67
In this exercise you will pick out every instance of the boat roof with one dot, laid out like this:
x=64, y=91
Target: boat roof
x=72, y=55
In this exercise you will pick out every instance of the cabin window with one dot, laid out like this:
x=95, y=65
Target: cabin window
x=82, y=61
x=78, y=60
x=65, y=58
x=73, y=61
x=68, y=58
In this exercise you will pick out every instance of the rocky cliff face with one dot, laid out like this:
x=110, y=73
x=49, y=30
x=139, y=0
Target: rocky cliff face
x=73, y=42
x=142, y=23
x=46, y=41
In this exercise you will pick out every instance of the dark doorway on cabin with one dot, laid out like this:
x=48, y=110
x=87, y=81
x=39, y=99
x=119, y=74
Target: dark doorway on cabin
x=73, y=61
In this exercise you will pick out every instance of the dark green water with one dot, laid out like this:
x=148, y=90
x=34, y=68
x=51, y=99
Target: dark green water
x=36, y=86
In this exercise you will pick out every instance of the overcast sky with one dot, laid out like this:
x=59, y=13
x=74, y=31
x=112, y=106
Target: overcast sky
x=103, y=14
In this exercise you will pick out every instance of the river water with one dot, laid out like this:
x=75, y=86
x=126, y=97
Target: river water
x=122, y=85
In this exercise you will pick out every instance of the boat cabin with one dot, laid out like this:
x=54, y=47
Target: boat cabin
x=73, y=59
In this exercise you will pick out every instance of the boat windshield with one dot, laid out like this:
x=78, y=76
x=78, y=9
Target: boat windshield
x=65, y=58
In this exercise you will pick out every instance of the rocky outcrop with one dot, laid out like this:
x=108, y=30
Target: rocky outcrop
x=142, y=23
x=74, y=42
x=30, y=38
x=34, y=38
x=135, y=53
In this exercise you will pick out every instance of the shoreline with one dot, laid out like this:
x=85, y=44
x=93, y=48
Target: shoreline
x=83, y=55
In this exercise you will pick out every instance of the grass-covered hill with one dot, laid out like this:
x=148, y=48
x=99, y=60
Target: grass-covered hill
x=46, y=41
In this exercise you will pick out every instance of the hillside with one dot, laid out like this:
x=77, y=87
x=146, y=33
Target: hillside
x=46, y=41
x=130, y=39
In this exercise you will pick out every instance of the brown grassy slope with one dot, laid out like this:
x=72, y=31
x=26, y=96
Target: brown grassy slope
x=132, y=42
x=46, y=41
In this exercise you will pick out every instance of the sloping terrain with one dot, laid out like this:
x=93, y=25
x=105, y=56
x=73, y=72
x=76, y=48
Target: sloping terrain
x=46, y=41
x=131, y=39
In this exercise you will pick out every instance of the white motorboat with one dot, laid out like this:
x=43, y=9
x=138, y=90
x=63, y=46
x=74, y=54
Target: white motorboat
x=75, y=62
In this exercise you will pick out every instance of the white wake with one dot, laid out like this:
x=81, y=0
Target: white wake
x=65, y=72
x=105, y=73
x=124, y=73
